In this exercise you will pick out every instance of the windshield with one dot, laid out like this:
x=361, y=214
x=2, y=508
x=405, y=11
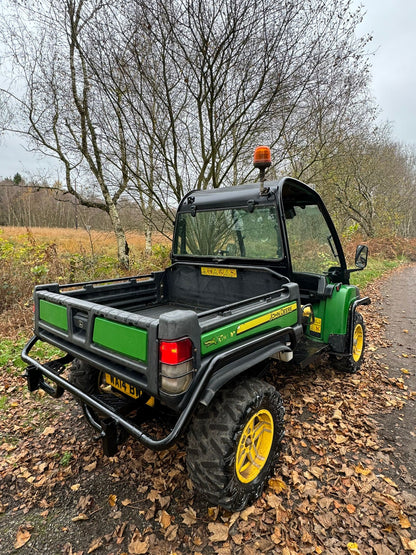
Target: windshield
x=236, y=232
x=312, y=248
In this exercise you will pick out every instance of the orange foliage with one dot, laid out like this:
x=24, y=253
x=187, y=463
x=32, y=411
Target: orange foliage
x=79, y=240
x=388, y=248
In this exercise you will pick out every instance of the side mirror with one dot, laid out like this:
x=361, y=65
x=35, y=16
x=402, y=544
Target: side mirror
x=361, y=257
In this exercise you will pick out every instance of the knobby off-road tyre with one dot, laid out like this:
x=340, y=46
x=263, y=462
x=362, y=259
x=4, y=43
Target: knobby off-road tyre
x=88, y=379
x=234, y=442
x=85, y=377
x=352, y=363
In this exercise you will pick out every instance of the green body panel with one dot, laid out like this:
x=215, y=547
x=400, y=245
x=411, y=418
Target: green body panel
x=120, y=338
x=331, y=315
x=277, y=317
x=53, y=314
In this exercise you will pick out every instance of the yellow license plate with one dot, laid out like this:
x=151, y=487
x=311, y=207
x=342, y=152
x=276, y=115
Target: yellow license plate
x=122, y=386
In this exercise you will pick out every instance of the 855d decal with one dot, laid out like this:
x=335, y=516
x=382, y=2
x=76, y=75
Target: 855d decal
x=226, y=335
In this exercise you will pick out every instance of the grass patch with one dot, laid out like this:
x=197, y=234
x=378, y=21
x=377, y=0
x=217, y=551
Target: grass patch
x=10, y=354
x=375, y=269
x=3, y=402
x=66, y=458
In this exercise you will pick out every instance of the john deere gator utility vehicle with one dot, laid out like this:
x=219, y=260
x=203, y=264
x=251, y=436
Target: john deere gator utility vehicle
x=257, y=275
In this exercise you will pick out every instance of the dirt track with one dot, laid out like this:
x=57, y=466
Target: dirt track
x=398, y=428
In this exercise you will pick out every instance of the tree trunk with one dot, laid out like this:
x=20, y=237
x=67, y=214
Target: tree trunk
x=122, y=245
x=148, y=237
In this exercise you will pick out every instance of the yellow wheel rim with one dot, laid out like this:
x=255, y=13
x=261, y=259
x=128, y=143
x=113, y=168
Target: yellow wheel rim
x=358, y=342
x=254, y=446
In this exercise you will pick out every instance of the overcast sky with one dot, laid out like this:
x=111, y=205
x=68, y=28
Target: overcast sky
x=393, y=26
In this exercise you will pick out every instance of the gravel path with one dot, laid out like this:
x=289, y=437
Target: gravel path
x=399, y=309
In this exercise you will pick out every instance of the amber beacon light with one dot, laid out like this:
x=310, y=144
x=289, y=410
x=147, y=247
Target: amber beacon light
x=262, y=160
x=262, y=157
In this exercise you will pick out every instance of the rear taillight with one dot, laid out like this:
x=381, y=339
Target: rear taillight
x=175, y=352
x=176, y=365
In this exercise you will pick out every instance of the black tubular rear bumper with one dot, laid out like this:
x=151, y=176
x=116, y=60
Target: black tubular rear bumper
x=36, y=372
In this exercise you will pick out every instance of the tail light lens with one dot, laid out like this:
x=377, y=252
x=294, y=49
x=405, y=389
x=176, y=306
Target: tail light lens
x=176, y=365
x=175, y=352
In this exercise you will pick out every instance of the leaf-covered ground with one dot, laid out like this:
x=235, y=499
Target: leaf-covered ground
x=345, y=482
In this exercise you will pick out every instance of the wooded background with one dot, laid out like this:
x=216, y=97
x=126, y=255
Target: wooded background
x=141, y=102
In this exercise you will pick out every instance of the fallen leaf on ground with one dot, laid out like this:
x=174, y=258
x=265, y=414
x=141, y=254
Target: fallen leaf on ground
x=219, y=532
x=339, y=438
x=404, y=521
x=213, y=513
x=91, y=467
x=247, y=512
x=96, y=544
x=382, y=549
x=165, y=519
x=189, y=516
x=390, y=481
x=22, y=537
x=136, y=545
x=112, y=500
x=353, y=549
x=277, y=485
x=359, y=469
x=171, y=532
x=85, y=502
x=81, y=516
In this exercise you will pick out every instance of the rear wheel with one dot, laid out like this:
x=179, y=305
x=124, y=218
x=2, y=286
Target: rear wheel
x=234, y=443
x=85, y=377
x=353, y=361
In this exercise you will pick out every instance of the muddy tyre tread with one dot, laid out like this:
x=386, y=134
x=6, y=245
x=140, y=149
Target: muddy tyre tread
x=214, y=434
x=84, y=376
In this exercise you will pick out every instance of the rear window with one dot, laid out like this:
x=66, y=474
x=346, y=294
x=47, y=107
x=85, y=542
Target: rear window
x=236, y=232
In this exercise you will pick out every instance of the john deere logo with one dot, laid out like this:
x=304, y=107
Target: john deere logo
x=269, y=317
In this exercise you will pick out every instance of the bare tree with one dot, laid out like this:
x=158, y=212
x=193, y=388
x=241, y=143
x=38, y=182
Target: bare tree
x=6, y=115
x=157, y=98
x=216, y=78
x=371, y=181
x=61, y=104
x=197, y=84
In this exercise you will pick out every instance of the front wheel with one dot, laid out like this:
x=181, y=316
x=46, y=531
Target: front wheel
x=352, y=362
x=234, y=442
